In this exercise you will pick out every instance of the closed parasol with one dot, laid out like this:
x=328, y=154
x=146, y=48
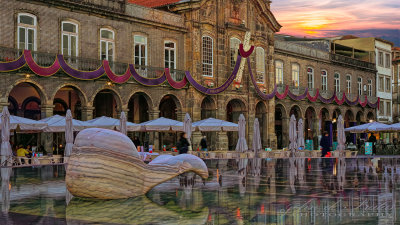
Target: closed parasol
x=241, y=145
x=292, y=134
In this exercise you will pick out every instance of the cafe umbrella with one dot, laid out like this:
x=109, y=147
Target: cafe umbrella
x=256, y=136
x=292, y=134
x=69, y=134
x=241, y=145
x=6, y=151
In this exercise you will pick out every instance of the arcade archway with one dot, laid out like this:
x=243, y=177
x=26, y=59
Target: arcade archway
x=234, y=108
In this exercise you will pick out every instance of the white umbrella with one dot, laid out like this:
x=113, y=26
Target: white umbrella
x=256, y=136
x=122, y=123
x=292, y=134
x=241, y=145
x=161, y=124
x=393, y=127
x=368, y=128
x=110, y=123
x=341, y=137
x=300, y=138
x=57, y=123
x=187, y=128
x=25, y=124
x=69, y=134
x=212, y=124
x=6, y=151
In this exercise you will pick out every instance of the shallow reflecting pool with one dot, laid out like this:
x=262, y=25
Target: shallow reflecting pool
x=253, y=191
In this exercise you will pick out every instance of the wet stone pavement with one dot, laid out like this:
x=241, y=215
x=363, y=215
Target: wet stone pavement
x=239, y=191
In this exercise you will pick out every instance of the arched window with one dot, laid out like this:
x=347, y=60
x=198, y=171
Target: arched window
x=27, y=27
x=234, y=49
x=324, y=80
x=348, y=83
x=207, y=46
x=359, y=85
x=107, y=44
x=260, y=65
x=310, y=77
x=279, y=72
x=295, y=74
x=169, y=54
x=69, y=41
x=369, y=87
x=337, y=82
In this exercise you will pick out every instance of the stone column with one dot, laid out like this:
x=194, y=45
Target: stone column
x=196, y=138
x=2, y=104
x=154, y=137
x=123, y=109
x=46, y=139
x=180, y=115
x=87, y=113
x=272, y=139
x=285, y=131
x=222, y=141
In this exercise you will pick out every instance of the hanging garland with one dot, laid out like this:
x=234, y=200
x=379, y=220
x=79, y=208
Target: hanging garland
x=59, y=63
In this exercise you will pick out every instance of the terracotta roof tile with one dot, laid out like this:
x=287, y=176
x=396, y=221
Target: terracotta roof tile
x=153, y=3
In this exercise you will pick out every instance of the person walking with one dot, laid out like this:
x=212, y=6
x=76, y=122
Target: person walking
x=325, y=144
x=372, y=139
x=183, y=145
x=203, y=144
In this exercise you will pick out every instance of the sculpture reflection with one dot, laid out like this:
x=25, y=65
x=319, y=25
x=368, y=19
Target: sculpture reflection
x=139, y=210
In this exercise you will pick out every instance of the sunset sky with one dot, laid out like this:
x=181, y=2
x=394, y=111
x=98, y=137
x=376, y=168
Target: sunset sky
x=326, y=18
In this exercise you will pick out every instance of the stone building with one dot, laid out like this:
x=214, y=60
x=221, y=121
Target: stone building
x=302, y=64
x=380, y=53
x=198, y=36
x=396, y=82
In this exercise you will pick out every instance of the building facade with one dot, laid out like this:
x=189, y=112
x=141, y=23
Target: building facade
x=305, y=64
x=396, y=82
x=381, y=52
x=200, y=36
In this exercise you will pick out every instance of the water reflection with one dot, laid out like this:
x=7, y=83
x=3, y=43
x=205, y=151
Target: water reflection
x=253, y=191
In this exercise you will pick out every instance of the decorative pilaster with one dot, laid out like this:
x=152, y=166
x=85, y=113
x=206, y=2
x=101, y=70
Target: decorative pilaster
x=222, y=141
x=87, y=113
x=46, y=139
x=154, y=137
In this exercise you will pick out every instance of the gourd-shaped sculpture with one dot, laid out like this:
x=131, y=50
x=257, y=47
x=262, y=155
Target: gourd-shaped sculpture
x=105, y=164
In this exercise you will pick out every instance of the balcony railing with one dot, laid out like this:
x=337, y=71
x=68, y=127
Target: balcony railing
x=86, y=64
x=352, y=61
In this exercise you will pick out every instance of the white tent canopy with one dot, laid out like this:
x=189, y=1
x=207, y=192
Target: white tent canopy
x=368, y=128
x=212, y=124
x=393, y=128
x=25, y=124
x=161, y=124
x=56, y=123
x=110, y=123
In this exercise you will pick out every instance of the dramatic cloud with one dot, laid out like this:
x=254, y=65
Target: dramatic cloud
x=322, y=18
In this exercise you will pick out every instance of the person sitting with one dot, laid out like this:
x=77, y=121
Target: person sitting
x=22, y=152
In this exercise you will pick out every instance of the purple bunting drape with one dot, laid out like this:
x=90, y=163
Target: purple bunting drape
x=39, y=70
x=172, y=82
x=223, y=87
x=146, y=81
x=13, y=65
x=115, y=78
x=27, y=59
